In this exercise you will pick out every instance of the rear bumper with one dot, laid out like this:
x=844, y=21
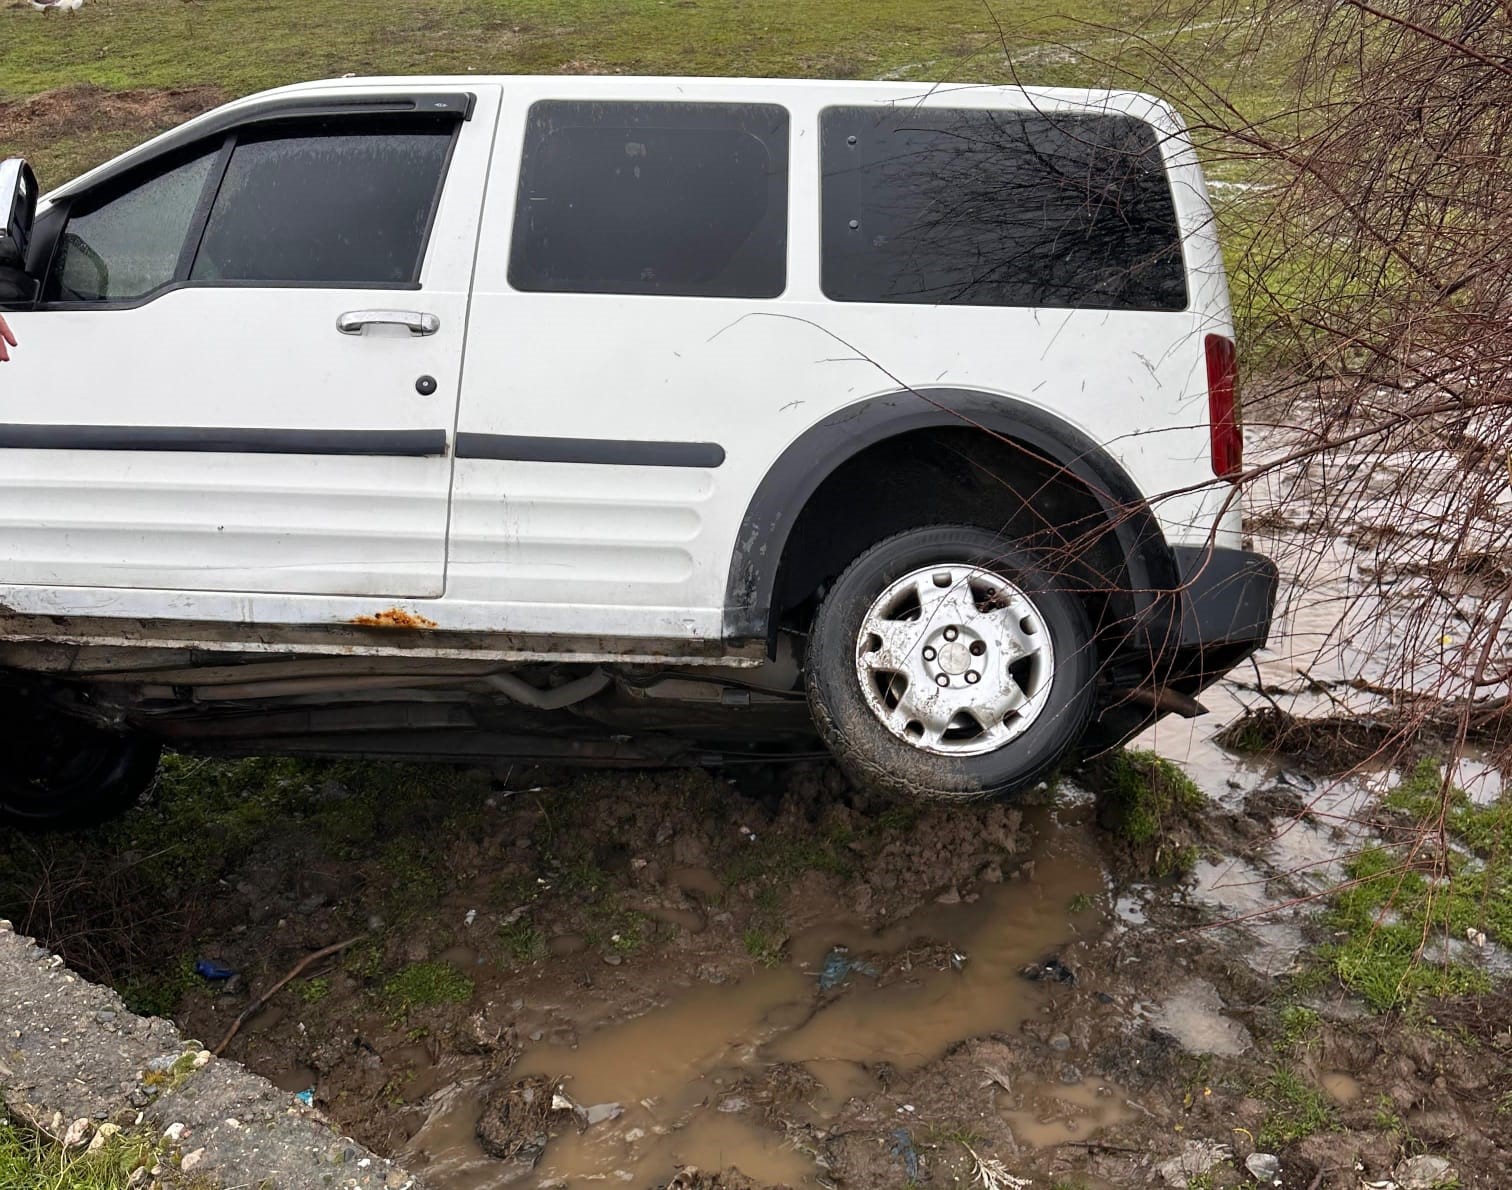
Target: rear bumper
x=1223, y=606
x=1227, y=598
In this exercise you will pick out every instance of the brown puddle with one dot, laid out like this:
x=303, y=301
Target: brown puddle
x=1057, y=1115
x=687, y=1076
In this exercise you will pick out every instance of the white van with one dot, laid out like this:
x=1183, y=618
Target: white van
x=619, y=421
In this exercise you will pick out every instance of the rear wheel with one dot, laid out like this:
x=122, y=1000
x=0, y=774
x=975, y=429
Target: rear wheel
x=60, y=773
x=944, y=663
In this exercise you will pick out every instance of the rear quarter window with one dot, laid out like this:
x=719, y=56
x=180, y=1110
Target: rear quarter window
x=991, y=208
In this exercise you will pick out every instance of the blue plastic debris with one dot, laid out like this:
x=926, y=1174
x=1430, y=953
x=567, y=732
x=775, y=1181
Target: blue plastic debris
x=903, y=1146
x=212, y=971
x=837, y=965
x=306, y=1097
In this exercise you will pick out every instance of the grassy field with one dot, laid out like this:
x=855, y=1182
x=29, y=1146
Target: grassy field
x=240, y=46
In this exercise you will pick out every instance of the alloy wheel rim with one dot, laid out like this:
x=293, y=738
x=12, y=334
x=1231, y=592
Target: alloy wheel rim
x=954, y=660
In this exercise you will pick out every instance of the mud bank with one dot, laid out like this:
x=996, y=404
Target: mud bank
x=774, y=979
x=73, y=1059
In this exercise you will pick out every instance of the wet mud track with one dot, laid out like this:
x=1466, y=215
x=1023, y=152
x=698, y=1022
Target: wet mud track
x=775, y=980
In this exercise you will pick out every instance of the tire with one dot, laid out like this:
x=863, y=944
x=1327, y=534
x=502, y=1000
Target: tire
x=65, y=774
x=873, y=696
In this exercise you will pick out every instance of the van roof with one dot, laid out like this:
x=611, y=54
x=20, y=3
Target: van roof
x=1144, y=106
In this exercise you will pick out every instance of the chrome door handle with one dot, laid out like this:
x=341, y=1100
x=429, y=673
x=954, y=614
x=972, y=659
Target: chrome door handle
x=354, y=322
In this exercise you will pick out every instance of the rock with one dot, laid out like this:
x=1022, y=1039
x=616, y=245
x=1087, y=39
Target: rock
x=1424, y=1173
x=76, y=1133
x=1265, y=1168
x=1194, y=1160
x=1070, y=1075
x=600, y=1112
x=1060, y=1042
x=174, y=1132
x=613, y=959
x=734, y=1103
x=102, y=1136
x=192, y=1160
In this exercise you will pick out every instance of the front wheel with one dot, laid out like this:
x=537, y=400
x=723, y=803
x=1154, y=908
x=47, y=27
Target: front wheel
x=944, y=663
x=65, y=774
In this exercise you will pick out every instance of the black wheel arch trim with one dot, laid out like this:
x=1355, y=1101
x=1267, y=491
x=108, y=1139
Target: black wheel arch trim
x=789, y=483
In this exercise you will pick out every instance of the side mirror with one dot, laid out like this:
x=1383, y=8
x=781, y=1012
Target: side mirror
x=18, y=207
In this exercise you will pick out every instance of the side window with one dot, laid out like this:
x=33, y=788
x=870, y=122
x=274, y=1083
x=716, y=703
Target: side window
x=325, y=207
x=991, y=208
x=682, y=199
x=125, y=246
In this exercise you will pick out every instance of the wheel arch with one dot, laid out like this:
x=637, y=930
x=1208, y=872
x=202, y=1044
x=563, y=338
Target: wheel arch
x=751, y=592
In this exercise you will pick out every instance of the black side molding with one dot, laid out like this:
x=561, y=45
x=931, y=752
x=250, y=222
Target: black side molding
x=517, y=448
x=408, y=444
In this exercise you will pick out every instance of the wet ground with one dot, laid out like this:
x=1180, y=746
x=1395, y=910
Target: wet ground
x=765, y=977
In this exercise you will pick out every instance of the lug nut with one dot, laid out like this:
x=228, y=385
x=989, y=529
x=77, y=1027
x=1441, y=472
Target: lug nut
x=929, y=654
x=972, y=677
x=943, y=680
x=978, y=648
x=951, y=634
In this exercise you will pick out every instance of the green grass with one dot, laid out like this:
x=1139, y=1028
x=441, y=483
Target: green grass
x=520, y=942
x=1295, y=1109
x=763, y=945
x=242, y=47
x=158, y=993
x=426, y=985
x=1145, y=800
x=1391, y=907
x=30, y=1162
x=1299, y=1027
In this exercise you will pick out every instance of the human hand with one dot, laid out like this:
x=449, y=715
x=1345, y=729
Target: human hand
x=5, y=338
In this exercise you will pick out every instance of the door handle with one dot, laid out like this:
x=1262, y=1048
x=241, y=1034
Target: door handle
x=354, y=322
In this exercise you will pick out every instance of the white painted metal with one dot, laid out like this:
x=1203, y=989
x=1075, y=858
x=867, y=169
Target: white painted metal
x=587, y=550
x=245, y=357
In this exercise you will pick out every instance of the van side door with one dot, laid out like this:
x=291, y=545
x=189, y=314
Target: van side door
x=608, y=426
x=243, y=371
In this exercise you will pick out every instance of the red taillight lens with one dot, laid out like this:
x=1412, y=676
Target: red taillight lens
x=1223, y=412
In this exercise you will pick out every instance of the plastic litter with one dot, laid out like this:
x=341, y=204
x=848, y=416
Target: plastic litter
x=1265, y=1168
x=903, y=1148
x=306, y=1097
x=838, y=964
x=1051, y=969
x=213, y=971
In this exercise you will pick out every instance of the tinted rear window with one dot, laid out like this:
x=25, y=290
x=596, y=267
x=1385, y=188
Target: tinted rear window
x=653, y=198
x=992, y=208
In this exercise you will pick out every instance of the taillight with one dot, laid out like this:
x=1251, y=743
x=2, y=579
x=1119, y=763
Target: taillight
x=1223, y=411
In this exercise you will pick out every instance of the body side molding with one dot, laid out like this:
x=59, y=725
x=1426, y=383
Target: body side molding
x=409, y=444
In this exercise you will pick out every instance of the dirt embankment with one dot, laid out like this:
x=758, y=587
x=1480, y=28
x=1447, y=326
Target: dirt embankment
x=773, y=979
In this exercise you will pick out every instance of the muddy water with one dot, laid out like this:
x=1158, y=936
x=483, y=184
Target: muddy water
x=1057, y=1115
x=683, y=1074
